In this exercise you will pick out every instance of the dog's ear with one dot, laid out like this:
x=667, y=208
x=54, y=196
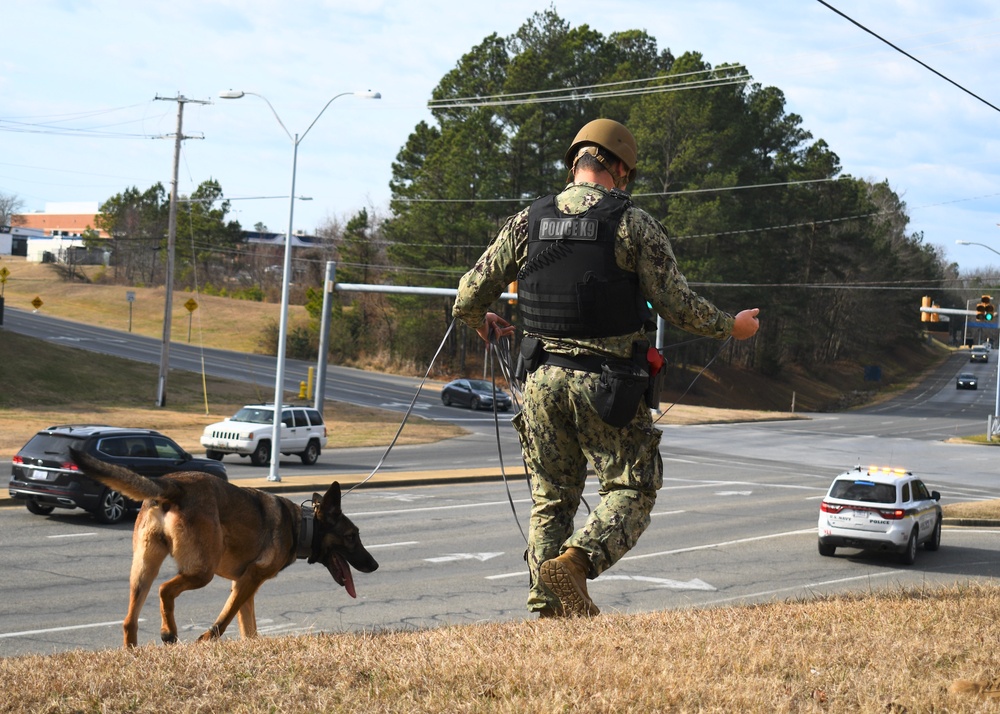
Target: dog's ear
x=329, y=505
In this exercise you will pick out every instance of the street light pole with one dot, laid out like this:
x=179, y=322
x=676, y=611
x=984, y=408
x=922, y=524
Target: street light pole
x=279, y=373
x=995, y=426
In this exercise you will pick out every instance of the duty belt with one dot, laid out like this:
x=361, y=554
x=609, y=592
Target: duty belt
x=583, y=363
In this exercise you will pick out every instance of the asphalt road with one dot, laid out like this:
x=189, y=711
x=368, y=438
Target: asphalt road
x=734, y=523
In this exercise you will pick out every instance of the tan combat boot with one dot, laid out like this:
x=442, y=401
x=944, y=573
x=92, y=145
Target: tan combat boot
x=566, y=577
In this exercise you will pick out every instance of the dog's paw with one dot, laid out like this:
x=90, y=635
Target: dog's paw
x=168, y=638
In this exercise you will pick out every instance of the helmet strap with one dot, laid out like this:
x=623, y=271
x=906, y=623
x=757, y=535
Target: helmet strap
x=620, y=181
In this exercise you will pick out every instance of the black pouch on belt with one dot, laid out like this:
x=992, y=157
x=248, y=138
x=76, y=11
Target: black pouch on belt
x=529, y=357
x=620, y=390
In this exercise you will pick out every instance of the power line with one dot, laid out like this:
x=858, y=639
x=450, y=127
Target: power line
x=575, y=97
x=634, y=195
x=904, y=52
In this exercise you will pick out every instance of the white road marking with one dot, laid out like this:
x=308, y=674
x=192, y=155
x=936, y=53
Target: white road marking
x=440, y=508
x=709, y=546
x=481, y=557
x=72, y=535
x=392, y=545
x=694, y=584
x=28, y=633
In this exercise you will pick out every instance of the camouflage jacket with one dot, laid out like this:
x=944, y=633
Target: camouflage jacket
x=642, y=248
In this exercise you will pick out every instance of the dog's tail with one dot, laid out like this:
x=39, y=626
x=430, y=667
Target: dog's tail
x=121, y=479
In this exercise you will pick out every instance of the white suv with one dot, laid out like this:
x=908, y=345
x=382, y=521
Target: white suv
x=880, y=509
x=248, y=433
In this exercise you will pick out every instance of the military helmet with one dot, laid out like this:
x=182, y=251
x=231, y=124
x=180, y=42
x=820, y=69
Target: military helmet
x=609, y=135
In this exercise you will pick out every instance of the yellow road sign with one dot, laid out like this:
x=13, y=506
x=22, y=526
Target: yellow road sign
x=191, y=305
x=37, y=302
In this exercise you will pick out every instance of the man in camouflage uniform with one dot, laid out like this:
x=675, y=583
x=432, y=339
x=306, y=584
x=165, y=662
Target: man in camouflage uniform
x=560, y=427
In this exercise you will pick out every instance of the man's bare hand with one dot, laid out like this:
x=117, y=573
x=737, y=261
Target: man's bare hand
x=746, y=324
x=494, y=327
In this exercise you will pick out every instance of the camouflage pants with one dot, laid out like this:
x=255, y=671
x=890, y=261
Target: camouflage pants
x=560, y=431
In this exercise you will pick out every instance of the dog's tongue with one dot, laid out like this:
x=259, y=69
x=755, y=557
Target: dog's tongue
x=341, y=571
x=349, y=581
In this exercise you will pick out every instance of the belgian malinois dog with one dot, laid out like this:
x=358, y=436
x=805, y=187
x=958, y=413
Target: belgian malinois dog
x=212, y=527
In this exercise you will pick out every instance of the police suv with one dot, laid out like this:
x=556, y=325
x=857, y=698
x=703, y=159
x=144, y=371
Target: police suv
x=880, y=509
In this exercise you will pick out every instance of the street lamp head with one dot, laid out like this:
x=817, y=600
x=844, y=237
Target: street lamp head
x=231, y=94
x=963, y=242
x=368, y=95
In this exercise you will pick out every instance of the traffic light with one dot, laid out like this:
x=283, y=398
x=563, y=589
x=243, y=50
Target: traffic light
x=981, y=311
x=925, y=301
x=989, y=311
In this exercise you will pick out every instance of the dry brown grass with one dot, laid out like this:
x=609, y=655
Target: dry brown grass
x=885, y=652
x=347, y=425
x=217, y=322
x=42, y=384
x=984, y=510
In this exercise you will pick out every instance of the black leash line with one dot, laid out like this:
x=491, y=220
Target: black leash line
x=500, y=352
x=409, y=410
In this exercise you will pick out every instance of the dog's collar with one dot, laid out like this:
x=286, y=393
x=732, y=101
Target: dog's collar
x=306, y=531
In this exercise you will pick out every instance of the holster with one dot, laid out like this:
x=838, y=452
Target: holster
x=528, y=358
x=622, y=386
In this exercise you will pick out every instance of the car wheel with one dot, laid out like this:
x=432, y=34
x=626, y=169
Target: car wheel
x=474, y=404
x=112, y=507
x=909, y=556
x=261, y=456
x=935, y=540
x=311, y=453
x=213, y=455
x=827, y=550
x=39, y=509
x=446, y=400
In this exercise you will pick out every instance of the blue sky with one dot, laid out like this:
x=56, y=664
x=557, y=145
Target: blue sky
x=99, y=64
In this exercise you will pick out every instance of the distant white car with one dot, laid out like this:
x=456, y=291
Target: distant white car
x=880, y=509
x=979, y=354
x=249, y=433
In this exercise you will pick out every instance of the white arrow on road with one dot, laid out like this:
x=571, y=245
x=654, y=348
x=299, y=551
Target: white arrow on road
x=695, y=584
x=462, y=556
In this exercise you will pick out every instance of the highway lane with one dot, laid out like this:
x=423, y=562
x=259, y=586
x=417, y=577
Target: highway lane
x=343, y=383
x=726, y=530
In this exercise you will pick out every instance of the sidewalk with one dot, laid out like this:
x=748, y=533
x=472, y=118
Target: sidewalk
x=319, y=482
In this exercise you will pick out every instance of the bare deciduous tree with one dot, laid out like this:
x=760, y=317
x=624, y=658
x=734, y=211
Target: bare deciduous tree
x=10, y=207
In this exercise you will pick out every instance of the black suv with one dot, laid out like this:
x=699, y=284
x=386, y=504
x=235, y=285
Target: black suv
x=45, y=478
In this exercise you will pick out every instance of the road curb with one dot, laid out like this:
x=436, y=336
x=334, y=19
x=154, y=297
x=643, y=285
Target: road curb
x=321, y=482
x=971, y=522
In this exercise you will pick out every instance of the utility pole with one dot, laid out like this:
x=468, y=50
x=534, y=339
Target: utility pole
x=161, y=384
x=324, y=336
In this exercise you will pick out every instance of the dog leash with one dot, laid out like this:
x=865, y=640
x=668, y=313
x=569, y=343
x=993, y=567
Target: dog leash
x=502, y=354
x=701, y=372
x=409, y=410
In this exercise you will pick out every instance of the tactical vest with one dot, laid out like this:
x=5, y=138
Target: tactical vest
x=570, y=285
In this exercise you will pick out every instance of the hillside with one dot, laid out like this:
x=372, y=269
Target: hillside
x=829, y=388
x=240, y=325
